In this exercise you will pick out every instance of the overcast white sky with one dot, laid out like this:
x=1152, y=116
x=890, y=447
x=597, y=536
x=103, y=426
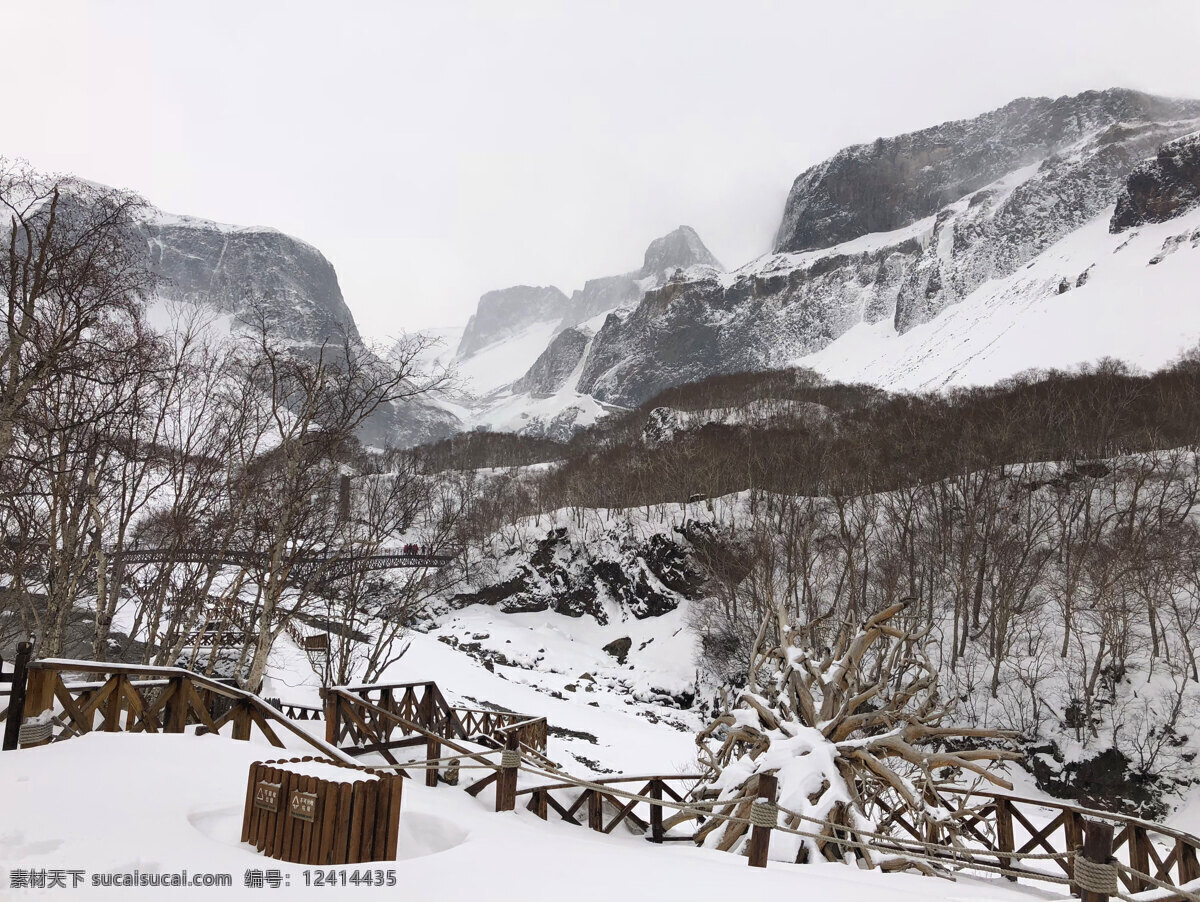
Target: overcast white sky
x=436, y=150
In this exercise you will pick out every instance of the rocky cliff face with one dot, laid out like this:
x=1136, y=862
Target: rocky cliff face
x=507, y=311
x=1161, y=188
x=676, y=250
x=551, y=371
x=615, y=576
x=894, y=231
x=235, y=269
x=243, y=271
x=891, y=182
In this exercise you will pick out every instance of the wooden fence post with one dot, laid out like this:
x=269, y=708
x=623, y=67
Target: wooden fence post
x=426, y=709
x=177, y=706
x=1097, y=849
x=331, y=716
x=1139, y=856
x=1005, y=840
x=595, y=810
x=538, y=804
x=241, y=719
x=1073, y=834
x=506, y=780
x=760, y=836
x=1189, y=866
x=656, y=811
x=433, y=751
x=16, y=697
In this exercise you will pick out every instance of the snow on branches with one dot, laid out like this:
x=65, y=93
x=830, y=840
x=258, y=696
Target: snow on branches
x=854, y=732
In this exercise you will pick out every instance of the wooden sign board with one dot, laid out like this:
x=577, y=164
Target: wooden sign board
x=266, y=796
x=303, y=805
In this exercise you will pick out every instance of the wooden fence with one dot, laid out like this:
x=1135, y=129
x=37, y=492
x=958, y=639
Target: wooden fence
x=1003, y=825
x=312, y=821
x=569, y=801
x=1000, y=830
x=134, y=698
x=364, y=719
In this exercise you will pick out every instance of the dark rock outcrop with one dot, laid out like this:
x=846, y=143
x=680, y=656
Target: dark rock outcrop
x=550, y=372
x=677, y=250
x=1162, y=188
x=1108, y=782
x=619, y=648
x=507, y=311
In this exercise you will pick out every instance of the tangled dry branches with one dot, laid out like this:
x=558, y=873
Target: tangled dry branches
x=866, y=716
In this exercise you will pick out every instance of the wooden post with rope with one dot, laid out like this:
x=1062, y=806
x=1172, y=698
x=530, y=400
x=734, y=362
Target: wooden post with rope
x=1095, y=872
x=763, y=816
x=506, y=781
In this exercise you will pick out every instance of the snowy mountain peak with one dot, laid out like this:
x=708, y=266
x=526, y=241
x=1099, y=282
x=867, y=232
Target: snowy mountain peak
x=677, y=250
x=229, y=267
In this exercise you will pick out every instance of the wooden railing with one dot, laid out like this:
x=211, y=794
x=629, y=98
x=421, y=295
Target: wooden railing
x=324, y=567
x=297, y=711
x=375, y=718
x=604, y=810
x=1000, y=830
x=134, y=699
x=493, y=727
x=1003, y=825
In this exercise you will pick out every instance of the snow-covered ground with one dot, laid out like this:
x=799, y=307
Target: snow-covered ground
x=160, y=804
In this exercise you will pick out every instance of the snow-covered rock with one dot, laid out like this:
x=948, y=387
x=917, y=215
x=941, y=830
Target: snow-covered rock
x=552, y=370
x=521, y=354
x=1161, y=188
x=677, y=250
x=611, y=577
x=882, y=186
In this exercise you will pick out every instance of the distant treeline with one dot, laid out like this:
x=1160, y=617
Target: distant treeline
x=808, y=436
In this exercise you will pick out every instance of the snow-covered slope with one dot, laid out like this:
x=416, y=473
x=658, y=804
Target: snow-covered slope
x=1131, y=296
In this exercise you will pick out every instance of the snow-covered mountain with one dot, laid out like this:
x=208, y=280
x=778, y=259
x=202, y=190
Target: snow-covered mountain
x=992, y=215
x=520, y=356
x=234, y=267
x=1045, y=233
x=935, y=258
